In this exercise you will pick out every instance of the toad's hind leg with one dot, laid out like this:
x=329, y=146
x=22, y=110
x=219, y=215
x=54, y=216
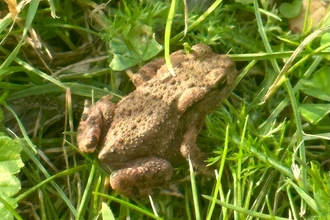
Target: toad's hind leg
x=146, y=72
x=142, y=177
x=94, y=124
x=152, y=68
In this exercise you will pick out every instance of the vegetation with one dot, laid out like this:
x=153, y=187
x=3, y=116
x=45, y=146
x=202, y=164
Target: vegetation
x=269, y=139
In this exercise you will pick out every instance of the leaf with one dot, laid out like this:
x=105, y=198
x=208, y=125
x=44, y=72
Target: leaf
x=10, y=164
x=314, y=89
x=325, y=39
x=291, y=10
x=138, y=46
x=321, y=79
x=313, y=113
x=106, y=212
x=318, y=87
x=145, y=42
x=123, y=56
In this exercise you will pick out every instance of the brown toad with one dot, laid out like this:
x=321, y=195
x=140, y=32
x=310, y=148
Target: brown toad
x=155, y=127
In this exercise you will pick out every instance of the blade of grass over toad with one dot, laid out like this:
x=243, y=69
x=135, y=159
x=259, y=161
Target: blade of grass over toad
x=185, y=17
x=168, y=36
x=198, y=21
x=31, y=154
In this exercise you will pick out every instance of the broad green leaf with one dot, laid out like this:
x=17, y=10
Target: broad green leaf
x=138, y=46
x=106, y=212
x=290, y=10
x=144, y=42
x=321, y=79
x=313, y=113
x=325, y=39
x=315, y=89
x=10, y=164
x=123, y=56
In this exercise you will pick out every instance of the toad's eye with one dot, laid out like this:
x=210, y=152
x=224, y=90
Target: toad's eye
x=221, y=84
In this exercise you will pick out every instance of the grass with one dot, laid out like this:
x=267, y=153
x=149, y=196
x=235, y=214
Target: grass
x=269, y=139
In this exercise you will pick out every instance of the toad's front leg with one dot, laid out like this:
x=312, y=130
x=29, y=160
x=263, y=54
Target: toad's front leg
x=95, y=123
x=190, y=150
